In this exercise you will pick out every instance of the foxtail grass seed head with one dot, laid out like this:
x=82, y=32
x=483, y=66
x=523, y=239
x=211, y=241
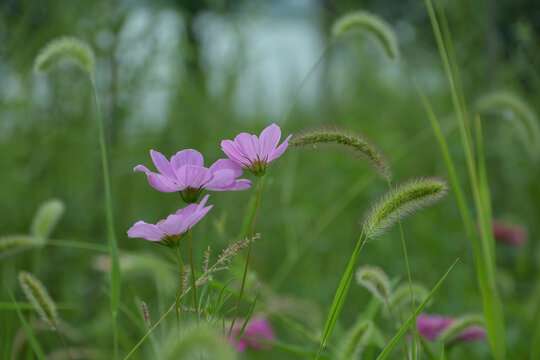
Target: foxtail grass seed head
x=65, y=49
x=459, y=329
x=526, y=118
x=375, y=280
x=39, y=297
x=401, y=201
x=379, y=28
x=11, y=244
x=401, y=295
x=355, y=340
x=46, y=218
x=146, y=315
x=345, y=140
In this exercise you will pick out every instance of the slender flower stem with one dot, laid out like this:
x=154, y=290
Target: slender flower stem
x=113, y=247
x=259, y=197
x=194, y=286
x=180, y=290
x=62, y=339
x=415, y=342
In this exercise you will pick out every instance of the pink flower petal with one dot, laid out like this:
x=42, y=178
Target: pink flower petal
x=240, y=184
x=268, y=140
x=162, y=164
x=145, y=231
x=162, y=183
x=223, y=164
x=279, y=151
x=173, y=225
x=194, y=218
x=234, y=153
x=249, y=144
x=221, y=180
x=193, y=176
x=186, y=157
x=141, y=168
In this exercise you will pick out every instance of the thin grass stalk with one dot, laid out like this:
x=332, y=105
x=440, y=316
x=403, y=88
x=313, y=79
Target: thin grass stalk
x=252, y=229
x=113, y=247
x=62, y=340
x=415, y=342
x=492, y=302
x=341, y=295
x=194, y=285
x=180, y=290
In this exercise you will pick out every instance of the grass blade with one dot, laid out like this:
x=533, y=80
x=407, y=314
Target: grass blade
x=392, y=344
x=248, y=316
x=29, y=333
x=340, y=296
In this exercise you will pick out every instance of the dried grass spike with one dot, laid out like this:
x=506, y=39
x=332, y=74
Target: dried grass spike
x=379, y=28
x=39, y=297
x=355, y=340
x=46, y=218
x=401, y=201
x=345, y=140
x=527, y=124
x=375, y=280
x=65, y=49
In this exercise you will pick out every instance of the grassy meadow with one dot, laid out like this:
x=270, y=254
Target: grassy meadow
x=400, y=222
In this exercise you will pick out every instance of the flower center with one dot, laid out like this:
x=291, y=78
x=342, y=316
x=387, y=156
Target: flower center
x=172, y=241
x=258, y=168
x=190, y=195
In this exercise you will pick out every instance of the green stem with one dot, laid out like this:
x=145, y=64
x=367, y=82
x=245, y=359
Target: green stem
x=113, y=248
x=194, y=286
x=62, y=339
x=180, y=290
x=259, y=197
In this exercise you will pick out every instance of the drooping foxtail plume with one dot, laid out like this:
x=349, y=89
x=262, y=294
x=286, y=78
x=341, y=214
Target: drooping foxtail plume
x=379, y=28
x=527, y=121
x=39, y=297
x=401, y=201
x=355, y=340
x=457, y=327
x=375, y=280
x=354, y=143
x=401, y=295
x=46, y=218
x=65, y=49
x=11, y=244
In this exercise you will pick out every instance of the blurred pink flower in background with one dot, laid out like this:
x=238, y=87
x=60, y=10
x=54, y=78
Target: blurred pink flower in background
x=256, y=153
x=508, y=233
x=256, y=329
x=431, y=326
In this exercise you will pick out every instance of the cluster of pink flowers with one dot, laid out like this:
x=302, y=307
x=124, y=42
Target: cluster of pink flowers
x=431, y=326
x=185, y=173
x=508, y=233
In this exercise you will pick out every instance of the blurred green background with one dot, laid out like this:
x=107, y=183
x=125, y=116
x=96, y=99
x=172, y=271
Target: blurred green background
x=186, y=74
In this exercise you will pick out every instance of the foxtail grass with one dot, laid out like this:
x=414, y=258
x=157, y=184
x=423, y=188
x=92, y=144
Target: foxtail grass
x=355, y=144
x=459, y=325
x=375, y=281
x=399, y=202
x=525, y=118
x=484, y=244
x=46, y=218
x=11, y=244
x=44, y=305
x=355, y=340
x=72, y=50
x=373, y=24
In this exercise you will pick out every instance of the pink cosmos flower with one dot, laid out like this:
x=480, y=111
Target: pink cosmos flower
x=431, y=326
x=185, y=173
x=170, y=231
x=256, y=329
x=256, y=153
x=509, y=234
